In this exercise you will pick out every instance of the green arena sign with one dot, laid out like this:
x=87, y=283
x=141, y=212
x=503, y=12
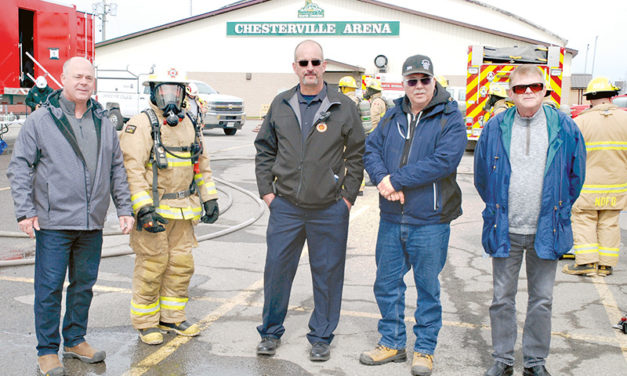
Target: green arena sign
x=364, y=28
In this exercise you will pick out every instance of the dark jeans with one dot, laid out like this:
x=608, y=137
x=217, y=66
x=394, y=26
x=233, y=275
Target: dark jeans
x=326, y=232
x=540, y=280
x=78, y=252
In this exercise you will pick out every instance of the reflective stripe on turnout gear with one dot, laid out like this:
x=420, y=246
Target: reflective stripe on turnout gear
x=606, y=145
x=586, y=248
x=599, y=188
x=609, y=252
x=179, y=213
x=144, y=309
x=172, y=303
x=140, y=199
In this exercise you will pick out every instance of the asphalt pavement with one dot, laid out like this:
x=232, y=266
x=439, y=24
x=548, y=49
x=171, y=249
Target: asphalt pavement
x=226, y=296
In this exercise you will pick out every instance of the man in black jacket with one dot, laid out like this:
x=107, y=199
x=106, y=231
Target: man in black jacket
x=309, y=168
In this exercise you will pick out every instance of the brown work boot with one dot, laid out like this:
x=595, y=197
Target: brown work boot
x=381, y=355
x=85, y=353
x=422, y=365
x=49, y=365
x=604, y=270
x=583, y=269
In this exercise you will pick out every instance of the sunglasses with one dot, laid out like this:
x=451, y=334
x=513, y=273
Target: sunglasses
x=414, y=81
x=314, y=62
x=521, y=89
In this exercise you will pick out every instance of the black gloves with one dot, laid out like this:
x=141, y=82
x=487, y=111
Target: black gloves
x=149, y=220
x=211, y=211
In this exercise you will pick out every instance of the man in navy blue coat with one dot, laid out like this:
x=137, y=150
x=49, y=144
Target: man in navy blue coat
x=412, y=157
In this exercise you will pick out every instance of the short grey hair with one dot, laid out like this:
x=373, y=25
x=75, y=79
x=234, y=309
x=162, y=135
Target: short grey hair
x=527, y=70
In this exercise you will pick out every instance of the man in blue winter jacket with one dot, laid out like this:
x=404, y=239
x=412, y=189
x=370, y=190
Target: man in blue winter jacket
x=529, y=169
x=412, y=157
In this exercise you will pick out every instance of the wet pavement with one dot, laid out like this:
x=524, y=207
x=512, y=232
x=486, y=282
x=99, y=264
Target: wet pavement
x=226, y=298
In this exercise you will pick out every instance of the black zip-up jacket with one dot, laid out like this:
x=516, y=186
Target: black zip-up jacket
x=322, y=169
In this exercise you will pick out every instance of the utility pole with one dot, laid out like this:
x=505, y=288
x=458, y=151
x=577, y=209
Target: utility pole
x=594, y=54
x=101, y=10
x=585, y=64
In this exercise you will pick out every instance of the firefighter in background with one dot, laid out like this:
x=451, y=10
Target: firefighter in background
x=595, y=214
x=38, y=94
x=442, y=81
x=377, y=104
x=170, y=182
x=194, y=105
x=497, y=102
x=347, y=87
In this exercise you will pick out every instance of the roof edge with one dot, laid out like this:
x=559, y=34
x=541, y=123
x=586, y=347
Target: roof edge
x=474, y=27
x=227, y=8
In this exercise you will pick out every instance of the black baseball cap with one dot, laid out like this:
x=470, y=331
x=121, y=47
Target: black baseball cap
x=418, y=64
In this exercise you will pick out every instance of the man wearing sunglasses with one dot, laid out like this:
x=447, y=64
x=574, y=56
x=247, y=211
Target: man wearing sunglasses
x=412, y=158
x=529, y=170
x=309, y=168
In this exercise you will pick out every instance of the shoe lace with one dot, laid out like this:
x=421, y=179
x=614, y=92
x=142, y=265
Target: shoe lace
x=383, y=348
x=426, y=356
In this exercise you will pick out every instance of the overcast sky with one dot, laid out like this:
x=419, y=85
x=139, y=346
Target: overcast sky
x=572, y=20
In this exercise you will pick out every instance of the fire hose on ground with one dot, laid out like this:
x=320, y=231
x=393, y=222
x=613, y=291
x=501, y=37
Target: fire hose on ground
x=261, y=209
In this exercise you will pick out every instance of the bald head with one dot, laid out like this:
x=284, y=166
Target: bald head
x=308, y=43
x=74, y=62
x=78, y=79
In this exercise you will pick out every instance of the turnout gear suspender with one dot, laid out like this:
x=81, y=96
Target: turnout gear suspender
x=159, y=160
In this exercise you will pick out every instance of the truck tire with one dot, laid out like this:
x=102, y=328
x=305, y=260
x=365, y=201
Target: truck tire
x=230, y=131
x=115, y=116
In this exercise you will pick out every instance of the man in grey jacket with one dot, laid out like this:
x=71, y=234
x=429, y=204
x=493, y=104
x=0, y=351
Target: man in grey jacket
x=66, y=164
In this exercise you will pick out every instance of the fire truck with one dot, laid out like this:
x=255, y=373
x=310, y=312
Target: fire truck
x=36, y=38
x=488, y=66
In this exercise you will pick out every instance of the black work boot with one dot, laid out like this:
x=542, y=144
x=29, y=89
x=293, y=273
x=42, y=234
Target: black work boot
x=500, y=369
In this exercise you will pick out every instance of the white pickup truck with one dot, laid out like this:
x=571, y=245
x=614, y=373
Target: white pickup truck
x=124, y=95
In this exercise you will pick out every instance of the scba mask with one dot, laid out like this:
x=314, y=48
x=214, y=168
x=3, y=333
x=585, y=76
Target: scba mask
x=168, y=97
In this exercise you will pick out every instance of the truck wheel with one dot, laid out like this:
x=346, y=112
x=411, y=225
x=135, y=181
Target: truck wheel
x=230, y=131
x=115, y=116
x=470, y=145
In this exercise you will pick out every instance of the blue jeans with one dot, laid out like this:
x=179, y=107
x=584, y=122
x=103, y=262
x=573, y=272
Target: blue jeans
x=56, y=251
x=399, y=248
x=326, y=232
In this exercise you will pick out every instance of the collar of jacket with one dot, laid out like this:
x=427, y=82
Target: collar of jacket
x=55, y=107
x=605, y=107
x=553, y=125
x=290, y=97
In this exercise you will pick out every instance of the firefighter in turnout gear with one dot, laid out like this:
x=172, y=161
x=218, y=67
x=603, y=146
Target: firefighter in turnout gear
x=595, y=214
x=347, y=86
x=377, y=104
x=171, y=190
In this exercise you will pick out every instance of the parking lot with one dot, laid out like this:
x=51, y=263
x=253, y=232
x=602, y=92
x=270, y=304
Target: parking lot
x=226, y=296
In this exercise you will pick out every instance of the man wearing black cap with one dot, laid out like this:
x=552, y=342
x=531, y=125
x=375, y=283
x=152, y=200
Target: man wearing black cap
x=412, y=157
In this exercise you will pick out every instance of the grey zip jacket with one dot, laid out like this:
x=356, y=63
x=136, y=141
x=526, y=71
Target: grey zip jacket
x=49, y=178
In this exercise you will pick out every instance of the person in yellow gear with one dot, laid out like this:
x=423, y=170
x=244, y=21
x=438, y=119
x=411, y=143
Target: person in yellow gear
x=442, y=81
x=347, y=87
x=377, y=104
x=195, y=107
x=170, y=182
x=498, y=101
x=595, y=214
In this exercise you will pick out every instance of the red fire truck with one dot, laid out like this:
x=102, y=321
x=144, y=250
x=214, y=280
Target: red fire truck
x=488, y=66
x=36, y=37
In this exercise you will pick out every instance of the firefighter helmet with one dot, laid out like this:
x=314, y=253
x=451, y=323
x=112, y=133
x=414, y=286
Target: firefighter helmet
x=192, y=90
x=497, y=90
x=167, y=75
x=601, y=87
x=374, y=84
x=347, y=81
x=442, y=80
